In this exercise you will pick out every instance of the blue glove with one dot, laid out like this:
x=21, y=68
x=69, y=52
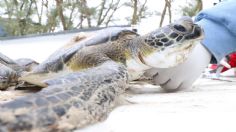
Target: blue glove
x=219, y=24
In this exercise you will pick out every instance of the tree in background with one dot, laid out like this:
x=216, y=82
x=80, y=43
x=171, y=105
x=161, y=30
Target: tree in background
x=163, y=14
x=192, y=8
x=18, y=16
x=106, y=11
x=85, y=13
x=22, y=17
x=139, y=10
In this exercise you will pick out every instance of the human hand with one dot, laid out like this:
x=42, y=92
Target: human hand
x=183, y=75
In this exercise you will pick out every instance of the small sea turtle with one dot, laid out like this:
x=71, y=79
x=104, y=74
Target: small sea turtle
x=84, y=80
x=11, y=70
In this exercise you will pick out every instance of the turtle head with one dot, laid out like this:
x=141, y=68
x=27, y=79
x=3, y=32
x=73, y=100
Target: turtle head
x=171, y=45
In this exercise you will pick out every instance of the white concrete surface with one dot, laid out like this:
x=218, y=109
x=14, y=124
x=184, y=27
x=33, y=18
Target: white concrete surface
x=210, y=106
x=37, y=48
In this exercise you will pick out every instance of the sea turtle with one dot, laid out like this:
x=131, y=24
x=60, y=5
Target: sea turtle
x=85, y=79
x=11, y=70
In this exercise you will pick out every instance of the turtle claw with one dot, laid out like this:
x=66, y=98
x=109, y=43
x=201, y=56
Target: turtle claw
x=123, y=100
x=22, y=85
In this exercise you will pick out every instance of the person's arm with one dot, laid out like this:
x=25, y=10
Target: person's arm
x=219, y=24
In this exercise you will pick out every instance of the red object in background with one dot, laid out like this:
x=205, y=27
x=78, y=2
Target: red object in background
x=231, y=61
x=213, y=66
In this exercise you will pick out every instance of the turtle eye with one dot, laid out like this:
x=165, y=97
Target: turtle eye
x=180, y=28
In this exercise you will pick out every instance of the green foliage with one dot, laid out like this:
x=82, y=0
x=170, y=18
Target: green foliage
x=23, y=17
x=189, y=10
x=192, y=8
x=17, y=18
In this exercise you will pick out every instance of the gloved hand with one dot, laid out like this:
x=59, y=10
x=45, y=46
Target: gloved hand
x=183, y=75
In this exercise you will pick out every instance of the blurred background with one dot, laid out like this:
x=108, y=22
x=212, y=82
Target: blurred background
x=35, y=28
x=23, y=17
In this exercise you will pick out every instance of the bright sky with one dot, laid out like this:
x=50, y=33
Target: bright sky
x=149, y=23
x=153, y=6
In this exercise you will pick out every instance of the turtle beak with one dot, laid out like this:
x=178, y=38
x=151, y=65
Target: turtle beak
x=197, y=33
x=201, y=30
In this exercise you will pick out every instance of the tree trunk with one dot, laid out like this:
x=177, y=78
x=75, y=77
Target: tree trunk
x=142, y=10
x=100, y=12
x=169, y=10
x=86, y=12
x=60, y=13
x=163, y=15
x=167, y=5
x=135, y=11
x=109, y=18
x=80, y=24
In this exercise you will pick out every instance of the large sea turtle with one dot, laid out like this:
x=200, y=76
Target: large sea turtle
x=85, y=79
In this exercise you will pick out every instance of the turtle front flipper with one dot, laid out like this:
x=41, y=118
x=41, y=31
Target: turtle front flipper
x=37, y=79
x=87, y=99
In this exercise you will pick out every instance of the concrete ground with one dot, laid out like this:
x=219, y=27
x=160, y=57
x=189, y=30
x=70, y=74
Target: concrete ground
x=209, y=106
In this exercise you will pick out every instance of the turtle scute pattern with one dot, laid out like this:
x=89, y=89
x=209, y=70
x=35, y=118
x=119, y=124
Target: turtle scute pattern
x=75, y=104
x=174, y=33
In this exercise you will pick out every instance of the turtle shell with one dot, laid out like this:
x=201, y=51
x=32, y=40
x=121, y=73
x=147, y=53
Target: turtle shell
x=26, y=63
x=4, y=60
x=56, y=61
